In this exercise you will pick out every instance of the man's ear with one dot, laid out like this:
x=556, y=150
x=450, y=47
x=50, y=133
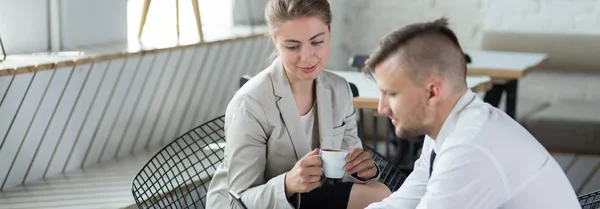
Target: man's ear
x=434, y=91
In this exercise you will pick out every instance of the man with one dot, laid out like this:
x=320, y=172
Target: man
x=474, y=155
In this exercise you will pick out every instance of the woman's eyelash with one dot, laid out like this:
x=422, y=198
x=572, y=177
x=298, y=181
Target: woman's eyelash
x=296, y=47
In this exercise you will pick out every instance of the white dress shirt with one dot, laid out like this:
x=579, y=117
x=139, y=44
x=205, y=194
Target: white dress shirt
x=485, y=159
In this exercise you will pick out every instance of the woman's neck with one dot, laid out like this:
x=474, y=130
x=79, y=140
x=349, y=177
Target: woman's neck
x=304, y=93
x=301, y=87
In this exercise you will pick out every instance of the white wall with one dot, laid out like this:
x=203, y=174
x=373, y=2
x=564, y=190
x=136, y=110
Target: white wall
x=363, y=23
x=24, y=25
x=92, y=22
x=556, y=16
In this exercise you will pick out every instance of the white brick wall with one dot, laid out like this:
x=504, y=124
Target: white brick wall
x=360, y=24
x=546, y=16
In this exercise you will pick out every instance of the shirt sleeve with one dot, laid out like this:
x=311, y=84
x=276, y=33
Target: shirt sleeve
x=413, y=188
x=467, y=177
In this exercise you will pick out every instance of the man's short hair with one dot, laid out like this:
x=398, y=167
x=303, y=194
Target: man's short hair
x=424, y=48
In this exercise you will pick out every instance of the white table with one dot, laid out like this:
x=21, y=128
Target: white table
x=368, y=93
x=501, y=64
x=509, y=67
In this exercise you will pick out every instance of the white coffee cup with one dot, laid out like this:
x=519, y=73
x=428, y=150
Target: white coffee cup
x=333, y=162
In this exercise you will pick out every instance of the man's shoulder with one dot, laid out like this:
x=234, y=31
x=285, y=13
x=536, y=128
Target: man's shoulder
x=485, y=125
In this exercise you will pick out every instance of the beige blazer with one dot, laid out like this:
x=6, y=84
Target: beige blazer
x=264, y=138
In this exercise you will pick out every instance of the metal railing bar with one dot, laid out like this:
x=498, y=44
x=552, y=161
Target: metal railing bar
x=137, y=101
x=148, y=107
x=237, y=68
x=87, y=114
x=120, y=110
x=164, y=100
x=222, y=75
x=216, y=86
x=7, y=89
x=195, y=86
x=137, y=69
x=62, y=133
x=60, y=99
x=95, y=134
x=207, y=82
x=179, y=92
x=33, y=119
x=10, y=127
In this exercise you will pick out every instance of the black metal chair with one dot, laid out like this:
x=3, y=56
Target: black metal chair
x=3, y=51
x=244, y=79
x=361, y=130
x=391, y=175
x=590, y=201
x=179, y=174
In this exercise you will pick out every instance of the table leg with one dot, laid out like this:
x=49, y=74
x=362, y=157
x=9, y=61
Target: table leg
x=361, y=125
x=375, y=135
x=494, y=95
x=511, y=98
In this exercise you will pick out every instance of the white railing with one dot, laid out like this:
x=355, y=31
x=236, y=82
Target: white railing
x=86, y=111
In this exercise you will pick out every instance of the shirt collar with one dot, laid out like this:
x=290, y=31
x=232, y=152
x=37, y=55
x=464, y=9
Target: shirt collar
x=452, y=118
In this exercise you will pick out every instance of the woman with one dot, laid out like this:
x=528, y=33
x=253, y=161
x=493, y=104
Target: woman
x=280, y=115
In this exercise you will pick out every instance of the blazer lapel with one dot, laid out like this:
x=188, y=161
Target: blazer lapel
x=288, y=109
x=324, y=116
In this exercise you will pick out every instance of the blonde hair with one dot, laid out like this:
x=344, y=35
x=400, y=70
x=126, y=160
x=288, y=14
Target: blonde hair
x=278, y=11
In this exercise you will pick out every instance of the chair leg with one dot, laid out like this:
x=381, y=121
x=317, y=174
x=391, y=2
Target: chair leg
x=198, y=21
x=361, y=125
x=143, y=18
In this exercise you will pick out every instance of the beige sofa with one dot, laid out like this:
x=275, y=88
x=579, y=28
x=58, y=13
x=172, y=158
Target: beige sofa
x=559, y=102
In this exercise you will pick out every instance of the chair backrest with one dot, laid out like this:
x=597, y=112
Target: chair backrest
x=179, y=174
x=391, y=175
x=590, y=201
x=358, y=61
x=354, y=89
x=244, y=79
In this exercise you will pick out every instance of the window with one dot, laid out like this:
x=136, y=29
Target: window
x=217, y=17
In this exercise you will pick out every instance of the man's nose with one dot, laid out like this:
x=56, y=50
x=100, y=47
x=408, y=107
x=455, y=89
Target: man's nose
x=383, y=108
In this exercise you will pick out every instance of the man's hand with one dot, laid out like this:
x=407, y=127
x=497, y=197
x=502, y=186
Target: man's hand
x=359, y=161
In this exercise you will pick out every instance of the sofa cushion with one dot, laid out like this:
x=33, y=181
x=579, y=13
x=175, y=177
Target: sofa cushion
x=528, y=107
x=572, y=126
x=573, y=52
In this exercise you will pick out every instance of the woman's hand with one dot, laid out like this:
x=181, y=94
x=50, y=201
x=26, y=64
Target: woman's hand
x=305, y=175
x=359, y=161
